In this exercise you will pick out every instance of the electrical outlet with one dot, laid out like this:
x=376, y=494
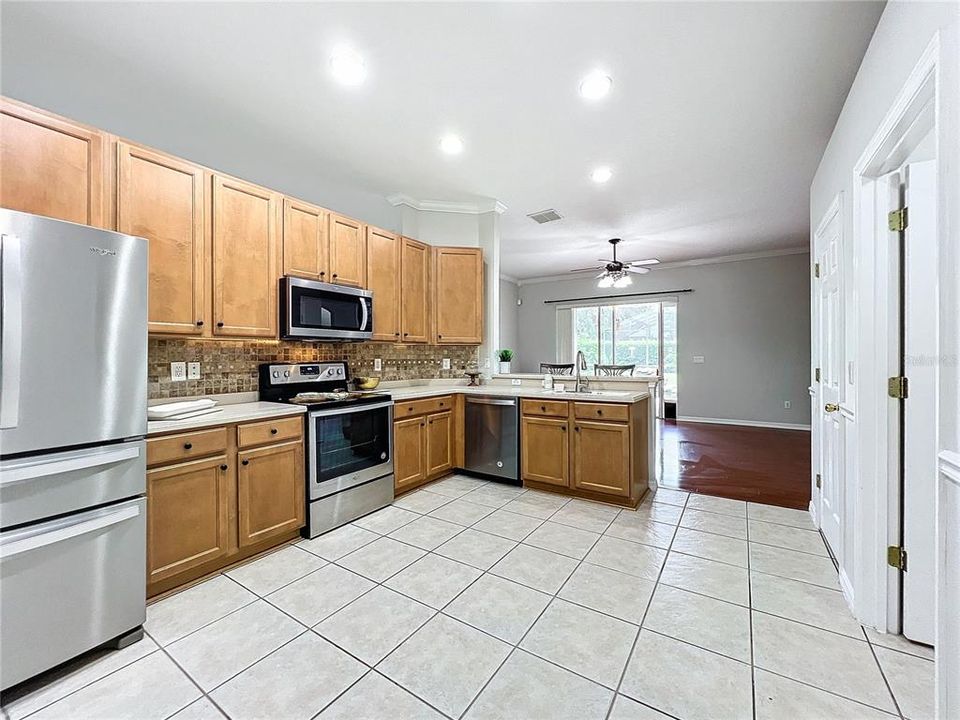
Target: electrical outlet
x=446, y=364
x=515, y=381
x=193, y=371
x=486, y=363
x=698, y=359
x=786, y=404
x=377, y=365
x=178, y=371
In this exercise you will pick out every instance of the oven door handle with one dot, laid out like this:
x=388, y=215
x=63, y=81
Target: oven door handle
x=351, y=409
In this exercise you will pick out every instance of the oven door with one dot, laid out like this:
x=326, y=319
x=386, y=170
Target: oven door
x=320, y=311
x=349, y=446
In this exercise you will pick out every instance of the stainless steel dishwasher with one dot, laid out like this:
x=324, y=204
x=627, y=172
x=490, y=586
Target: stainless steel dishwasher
x=492, y=439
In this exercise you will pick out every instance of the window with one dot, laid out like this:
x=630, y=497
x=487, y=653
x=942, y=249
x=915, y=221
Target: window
x=619, y=335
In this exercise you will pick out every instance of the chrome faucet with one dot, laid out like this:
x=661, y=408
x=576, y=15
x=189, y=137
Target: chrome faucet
x=582, y=385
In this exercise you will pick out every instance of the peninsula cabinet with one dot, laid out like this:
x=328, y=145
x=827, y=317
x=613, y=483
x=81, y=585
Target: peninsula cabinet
x=383, y=280
x=219, y=495
x=414, y=285
x=161, y=198
x=347, y=251
x=592, y=450
x=51, y=166
x=305, y=240
x=245, y=224
x=458, y=295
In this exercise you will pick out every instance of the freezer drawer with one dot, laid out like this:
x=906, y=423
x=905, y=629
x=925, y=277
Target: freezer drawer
x=69, y=585
x=491, y=437
x=41, y=486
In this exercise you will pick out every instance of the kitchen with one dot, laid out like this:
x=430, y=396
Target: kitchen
x=300, y=420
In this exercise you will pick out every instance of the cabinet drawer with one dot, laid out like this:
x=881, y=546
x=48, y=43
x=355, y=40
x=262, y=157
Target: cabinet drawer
x=289, y=428
x=601, y=411
x=548, y=408
x=412, y=408
x=186, y=446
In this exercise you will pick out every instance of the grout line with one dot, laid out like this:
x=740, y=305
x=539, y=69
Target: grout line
x=753, y=671
x=883, y=674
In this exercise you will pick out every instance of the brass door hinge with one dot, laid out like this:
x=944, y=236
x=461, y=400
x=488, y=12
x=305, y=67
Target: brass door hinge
x=897, y=387
x=897, y=558
x=818, y=480
x=816, y=374
x=897, y=220
x=816, y=270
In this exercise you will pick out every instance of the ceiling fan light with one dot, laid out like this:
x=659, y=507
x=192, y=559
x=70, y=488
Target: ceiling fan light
x=623, y=281
x=605, y=282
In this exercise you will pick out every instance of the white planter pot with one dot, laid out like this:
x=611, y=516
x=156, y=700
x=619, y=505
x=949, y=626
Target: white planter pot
x=504, y=368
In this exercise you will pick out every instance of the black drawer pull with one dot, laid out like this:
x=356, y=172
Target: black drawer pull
x=273, y=431
x=599, y=412
x=244, y=462
x=219, y=324
x=199, y=323
x=223, y=467
x=543, y=408
x=187, y=446
x=334, y=276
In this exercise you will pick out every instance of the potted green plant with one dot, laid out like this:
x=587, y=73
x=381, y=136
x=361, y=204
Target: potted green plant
x=505, y=357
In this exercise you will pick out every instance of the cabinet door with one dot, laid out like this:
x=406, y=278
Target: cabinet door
x=383, y=280
x=601, y=457
x=244, y=259
x=305, y=244
x=458, y=295
x=409, y=452
x=161, y=198
x=51, y=166
x=347, y=254
x=187, y=516
x=545, y=450
x=271, y=491
x=440, y=443
x=414, y=278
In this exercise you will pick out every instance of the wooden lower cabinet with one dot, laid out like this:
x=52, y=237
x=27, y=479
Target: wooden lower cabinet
x=270, y=492
x=601, y=457
x=204, y=513
x=187, y=516
x=409, y=453
x=544, y=450
x=440, y=440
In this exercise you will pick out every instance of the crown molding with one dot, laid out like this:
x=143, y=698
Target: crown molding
x=758, y=255
x=509, y=278
x=446, y=206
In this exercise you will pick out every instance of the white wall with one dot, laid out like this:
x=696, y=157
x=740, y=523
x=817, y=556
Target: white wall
x=904, y=32
x=509, y=314
x=749, y=319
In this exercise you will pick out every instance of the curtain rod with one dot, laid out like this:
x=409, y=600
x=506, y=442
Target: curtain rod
x=617, y=297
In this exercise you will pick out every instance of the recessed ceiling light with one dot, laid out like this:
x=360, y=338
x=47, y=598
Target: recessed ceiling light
x=601, y=174
x=596, y=85
x=347, y=66
x=451, y=144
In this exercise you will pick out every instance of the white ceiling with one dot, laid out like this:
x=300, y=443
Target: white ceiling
x=718, y=116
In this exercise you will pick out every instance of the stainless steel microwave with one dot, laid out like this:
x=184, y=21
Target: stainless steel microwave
x=316, y=311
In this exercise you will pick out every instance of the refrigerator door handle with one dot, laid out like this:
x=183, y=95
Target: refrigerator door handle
x=66, y=532
x=12, y=335
x=32, y=468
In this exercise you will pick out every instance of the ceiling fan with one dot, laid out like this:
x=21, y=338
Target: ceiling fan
x=615, y=273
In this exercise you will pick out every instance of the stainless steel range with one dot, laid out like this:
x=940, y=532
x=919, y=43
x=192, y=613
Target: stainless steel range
x=349, y=441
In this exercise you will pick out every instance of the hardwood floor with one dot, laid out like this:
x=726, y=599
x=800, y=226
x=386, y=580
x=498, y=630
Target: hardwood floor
x=744, y=463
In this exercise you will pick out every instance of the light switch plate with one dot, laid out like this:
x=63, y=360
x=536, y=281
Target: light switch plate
x=445, y=364
x=377, y=364
x=178, y=371
x=698, y=359
x=193, y=371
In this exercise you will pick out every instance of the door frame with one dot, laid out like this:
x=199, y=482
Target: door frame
x=876, y=513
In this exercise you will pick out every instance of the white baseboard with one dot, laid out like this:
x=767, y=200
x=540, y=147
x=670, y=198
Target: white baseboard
x=846, y=588
x=813, y=514
x=746, y=423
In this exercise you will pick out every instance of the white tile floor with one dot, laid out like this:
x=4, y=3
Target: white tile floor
x=476, y=600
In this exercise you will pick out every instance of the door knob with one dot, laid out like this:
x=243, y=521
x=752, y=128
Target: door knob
x=831, y=407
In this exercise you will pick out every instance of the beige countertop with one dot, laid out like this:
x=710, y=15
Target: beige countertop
x=400, y=394
x=229, y=413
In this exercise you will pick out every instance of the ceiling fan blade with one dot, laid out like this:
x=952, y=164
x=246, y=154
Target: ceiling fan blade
x=637, y=270
x=586, y=269
x=603, y=274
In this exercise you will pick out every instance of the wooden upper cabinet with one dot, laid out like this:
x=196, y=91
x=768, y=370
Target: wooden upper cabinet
x=414, y=285
x=245, y=220
x=544, y=450
x=161, y=198
x=458, y=295
x=383, y=280
x=348, y=257
x=50, y=166
x=305, y=240
x=270, y=494
x=601, y=457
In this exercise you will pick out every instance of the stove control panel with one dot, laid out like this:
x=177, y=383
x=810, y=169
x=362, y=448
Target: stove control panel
x=307, y=372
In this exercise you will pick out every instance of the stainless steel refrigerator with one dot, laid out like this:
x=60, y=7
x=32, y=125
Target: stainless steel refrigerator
x=73, y=408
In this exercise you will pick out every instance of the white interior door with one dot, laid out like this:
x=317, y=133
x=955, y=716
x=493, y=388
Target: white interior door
x=829, y=245
x=920, y=407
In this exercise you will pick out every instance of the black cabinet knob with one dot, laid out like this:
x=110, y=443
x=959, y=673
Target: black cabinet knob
x=334, y=276
x=187, y=446
x=405, y=334
x=219, y=324
x=273, y=431
x=322, y=273
x=223, y=467
x=599, y=412
x=199, y=323
x=396, y=334
x=244, y=462
x=543, y=408
x=439, y=337
x=577, y=429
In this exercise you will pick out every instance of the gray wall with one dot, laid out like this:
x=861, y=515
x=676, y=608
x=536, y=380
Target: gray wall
x=66, y=76
x=509, y=315
x=749, y=319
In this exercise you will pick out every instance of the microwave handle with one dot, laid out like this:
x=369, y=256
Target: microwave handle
x=365, y=313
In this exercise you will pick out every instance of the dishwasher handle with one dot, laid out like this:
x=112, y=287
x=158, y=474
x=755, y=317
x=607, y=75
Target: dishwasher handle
x=509, y=402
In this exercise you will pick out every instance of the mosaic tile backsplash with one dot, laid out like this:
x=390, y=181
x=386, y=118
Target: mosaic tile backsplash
x=229, y=366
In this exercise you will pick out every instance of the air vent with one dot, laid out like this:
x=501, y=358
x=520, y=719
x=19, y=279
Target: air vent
x=545, y=216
